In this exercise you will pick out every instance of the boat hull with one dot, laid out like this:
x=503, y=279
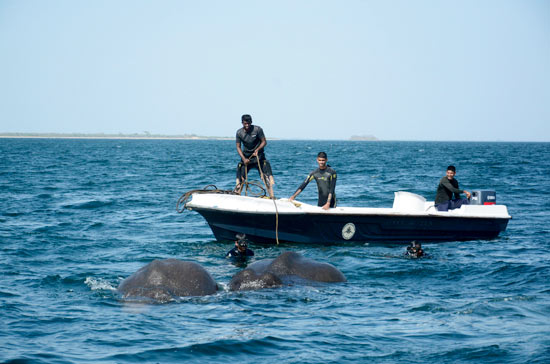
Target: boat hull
x=315, y=228
x=411, y=218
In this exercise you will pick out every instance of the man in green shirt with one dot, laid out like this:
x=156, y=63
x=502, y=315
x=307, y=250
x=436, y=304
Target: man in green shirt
x=447, y=196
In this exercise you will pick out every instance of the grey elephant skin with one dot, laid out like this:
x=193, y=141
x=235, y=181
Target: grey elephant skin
x=169, y=279
x=287, y=268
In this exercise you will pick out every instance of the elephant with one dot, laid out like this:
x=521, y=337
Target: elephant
x=287, y=268
x=168, y=279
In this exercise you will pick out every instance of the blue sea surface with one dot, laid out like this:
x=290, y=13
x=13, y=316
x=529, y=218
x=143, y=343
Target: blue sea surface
x=79, y=216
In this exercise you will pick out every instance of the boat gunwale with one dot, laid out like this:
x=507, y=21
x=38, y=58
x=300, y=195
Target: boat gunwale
x=344, y=213
x=269, y=209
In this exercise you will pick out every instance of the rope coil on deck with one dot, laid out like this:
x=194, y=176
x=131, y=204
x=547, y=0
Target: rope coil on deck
x=182, y=201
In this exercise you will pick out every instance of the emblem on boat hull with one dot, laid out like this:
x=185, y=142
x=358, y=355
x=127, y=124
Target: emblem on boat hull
x=348, y=231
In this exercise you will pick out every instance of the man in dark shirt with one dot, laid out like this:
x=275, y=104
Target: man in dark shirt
x=325, y=177
x=447, y=189
x=240, y=252
x=251, y=142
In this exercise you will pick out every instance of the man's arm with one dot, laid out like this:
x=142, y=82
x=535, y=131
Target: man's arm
x=332, y=188
x=261, y=146
x=327, y=205
x=302, y=186
x=447, y=184
x=291, y=198
x=241, y=154
x=332, y=184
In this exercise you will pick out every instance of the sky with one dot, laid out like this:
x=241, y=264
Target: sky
x=472, y=70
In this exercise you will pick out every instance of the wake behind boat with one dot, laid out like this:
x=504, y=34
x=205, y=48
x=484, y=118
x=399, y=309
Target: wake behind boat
x=411, y=217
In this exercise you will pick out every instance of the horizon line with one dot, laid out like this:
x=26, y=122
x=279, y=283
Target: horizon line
x=149, y=136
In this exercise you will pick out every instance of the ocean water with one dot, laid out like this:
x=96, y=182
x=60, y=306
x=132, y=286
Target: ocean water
x=79, y=216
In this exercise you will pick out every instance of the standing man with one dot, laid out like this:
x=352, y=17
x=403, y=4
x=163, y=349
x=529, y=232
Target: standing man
x=447, y=189
x=252, y=155
x=325, y=177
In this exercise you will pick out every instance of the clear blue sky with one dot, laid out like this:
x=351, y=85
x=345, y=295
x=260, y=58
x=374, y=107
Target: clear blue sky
x=398, y=70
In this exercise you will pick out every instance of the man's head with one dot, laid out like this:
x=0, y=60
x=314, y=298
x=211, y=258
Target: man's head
x=246, y=121
x=414, y=248
x=242, y=242
x=322, y=160
x=451, y=171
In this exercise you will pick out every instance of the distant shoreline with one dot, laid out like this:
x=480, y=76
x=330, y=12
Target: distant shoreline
x=108, y=136
x=130, y=136
x=113, y=138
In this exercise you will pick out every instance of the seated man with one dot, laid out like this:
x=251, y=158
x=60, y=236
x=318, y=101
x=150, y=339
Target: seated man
x=240, y=251
x=447, y=189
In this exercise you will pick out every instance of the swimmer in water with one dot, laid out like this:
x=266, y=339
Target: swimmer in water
x=415, y=250
x=240, y=252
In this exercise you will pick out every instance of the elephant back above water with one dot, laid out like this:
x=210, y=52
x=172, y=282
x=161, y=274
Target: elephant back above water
x=291, y=263
x=165, y=280
x=284, y=269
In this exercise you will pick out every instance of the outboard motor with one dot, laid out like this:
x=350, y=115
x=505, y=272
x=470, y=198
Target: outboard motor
x=483, y=197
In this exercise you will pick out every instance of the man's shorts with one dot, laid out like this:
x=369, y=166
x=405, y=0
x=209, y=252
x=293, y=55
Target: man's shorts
x=243, y=170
